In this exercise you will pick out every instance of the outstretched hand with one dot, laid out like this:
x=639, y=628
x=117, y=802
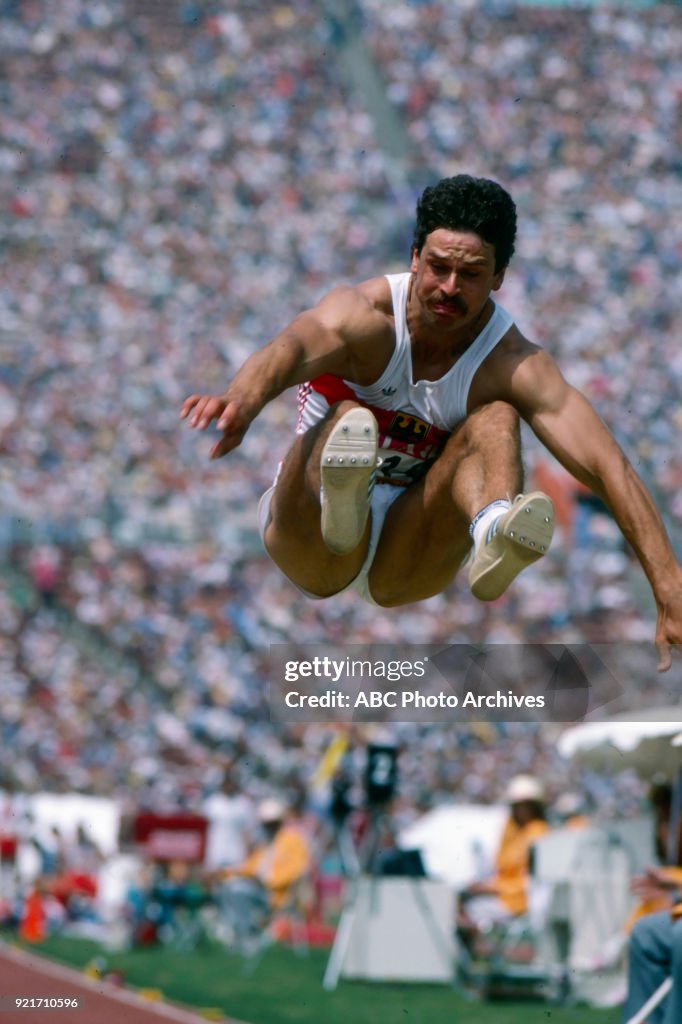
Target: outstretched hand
x=230, y=416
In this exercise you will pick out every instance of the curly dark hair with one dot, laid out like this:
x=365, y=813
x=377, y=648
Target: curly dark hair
x=464, y=203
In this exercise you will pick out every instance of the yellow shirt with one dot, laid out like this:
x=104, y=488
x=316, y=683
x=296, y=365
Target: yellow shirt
x=278, y=864
x=512, y=862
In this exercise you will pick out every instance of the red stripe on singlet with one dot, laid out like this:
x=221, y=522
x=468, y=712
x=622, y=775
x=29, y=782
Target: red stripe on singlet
x=424, y=441
x=334, y=389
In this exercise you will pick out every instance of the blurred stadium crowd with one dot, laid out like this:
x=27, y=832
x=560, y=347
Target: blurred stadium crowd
x=178, y=180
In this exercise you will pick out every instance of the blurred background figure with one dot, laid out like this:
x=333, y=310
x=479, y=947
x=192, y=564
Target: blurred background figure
x=259, y=897
x=232, y=823
x=281, y=860
x=658, y=887
x=569, y=810
x=505, y=894
x=76, y=883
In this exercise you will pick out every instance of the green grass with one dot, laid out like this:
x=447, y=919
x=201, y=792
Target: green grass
x=285, y=988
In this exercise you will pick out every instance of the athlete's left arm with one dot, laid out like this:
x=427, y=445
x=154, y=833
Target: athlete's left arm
x=568, y=426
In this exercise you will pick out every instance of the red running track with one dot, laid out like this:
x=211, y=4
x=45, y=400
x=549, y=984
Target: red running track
x=99, y=1002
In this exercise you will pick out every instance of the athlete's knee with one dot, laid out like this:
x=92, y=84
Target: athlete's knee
x=487, y=427
x=386, y=597
x=315, y=435
x=496, y=420
x=492, y=429
x=303, y=456
x=384, y=587
x=339, y=409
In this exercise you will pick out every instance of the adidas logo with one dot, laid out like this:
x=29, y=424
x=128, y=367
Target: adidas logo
x=388, y=391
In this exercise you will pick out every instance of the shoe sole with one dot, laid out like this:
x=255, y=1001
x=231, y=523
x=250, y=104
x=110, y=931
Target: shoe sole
x=524, y=538
x=347, y=469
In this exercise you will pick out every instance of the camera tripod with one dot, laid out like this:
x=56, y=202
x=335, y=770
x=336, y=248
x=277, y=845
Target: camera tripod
x=363, y=901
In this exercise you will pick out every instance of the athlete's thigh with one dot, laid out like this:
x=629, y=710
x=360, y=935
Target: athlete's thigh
x=419, y=551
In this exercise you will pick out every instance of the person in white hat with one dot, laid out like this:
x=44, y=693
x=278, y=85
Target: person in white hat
x=524, y=789
x=505, y=895
x=281, y=860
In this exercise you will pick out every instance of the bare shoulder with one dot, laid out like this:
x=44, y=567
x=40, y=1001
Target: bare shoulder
x=378, y=293
x=514, y=367
x=514, y=347
x=359, y=312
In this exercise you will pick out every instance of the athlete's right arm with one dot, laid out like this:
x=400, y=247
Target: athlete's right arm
x=333, y=337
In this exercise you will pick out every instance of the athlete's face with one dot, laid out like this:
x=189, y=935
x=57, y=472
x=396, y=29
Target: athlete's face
x=454, y=276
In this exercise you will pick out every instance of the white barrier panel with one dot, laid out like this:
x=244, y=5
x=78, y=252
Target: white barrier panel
x=401, y=930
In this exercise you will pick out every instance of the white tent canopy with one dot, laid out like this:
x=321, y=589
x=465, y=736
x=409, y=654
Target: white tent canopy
x=650, y=744
x=458, y=842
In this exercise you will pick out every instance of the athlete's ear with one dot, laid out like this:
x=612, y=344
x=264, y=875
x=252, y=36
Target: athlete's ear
x=498, y=279
x=415, y=259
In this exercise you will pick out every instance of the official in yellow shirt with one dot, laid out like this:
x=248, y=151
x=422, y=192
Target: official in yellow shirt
x=280, y=862
x=507, y=889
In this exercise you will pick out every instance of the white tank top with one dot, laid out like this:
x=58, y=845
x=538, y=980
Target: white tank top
x=415, y=418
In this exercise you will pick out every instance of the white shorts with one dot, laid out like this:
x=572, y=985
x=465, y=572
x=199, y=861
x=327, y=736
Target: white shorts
x=486, y=911
x=381, y=500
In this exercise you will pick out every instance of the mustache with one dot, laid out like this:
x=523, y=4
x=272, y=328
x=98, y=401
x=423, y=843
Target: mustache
x=455, y=303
